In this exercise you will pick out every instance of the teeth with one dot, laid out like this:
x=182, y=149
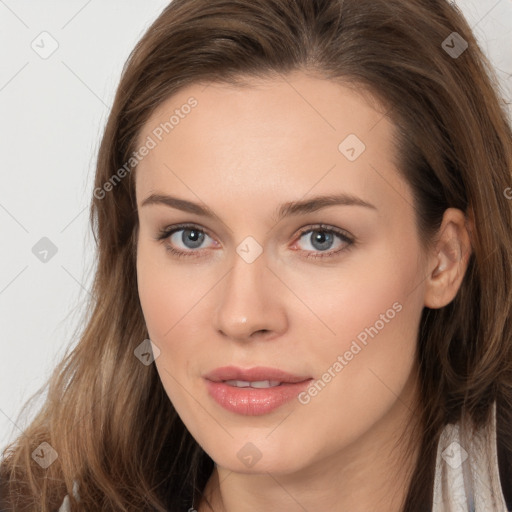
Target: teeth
x=256, y=384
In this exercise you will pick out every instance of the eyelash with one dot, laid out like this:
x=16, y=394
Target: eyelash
x=168, y=231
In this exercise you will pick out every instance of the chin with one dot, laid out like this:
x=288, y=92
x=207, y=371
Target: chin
x=253, y=458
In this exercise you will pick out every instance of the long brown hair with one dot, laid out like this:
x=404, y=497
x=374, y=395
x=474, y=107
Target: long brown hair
x=107, y=415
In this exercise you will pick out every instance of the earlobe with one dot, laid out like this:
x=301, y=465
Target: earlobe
x=449, y=261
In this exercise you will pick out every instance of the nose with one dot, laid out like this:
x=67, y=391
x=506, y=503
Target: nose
x=251, y=302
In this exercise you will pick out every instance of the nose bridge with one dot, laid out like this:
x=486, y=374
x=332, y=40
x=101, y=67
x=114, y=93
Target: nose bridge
x=248, y=301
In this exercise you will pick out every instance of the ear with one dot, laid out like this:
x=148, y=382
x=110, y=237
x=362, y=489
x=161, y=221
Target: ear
x=448, y=263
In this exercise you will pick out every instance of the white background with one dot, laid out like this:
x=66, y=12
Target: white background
x=52, y=113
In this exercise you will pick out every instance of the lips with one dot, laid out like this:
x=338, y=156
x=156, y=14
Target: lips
x=253, y=391
x=255, y=374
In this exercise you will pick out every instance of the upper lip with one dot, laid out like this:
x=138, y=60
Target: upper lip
x=255, y=374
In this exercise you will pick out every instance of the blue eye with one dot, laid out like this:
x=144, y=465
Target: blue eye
x=323, y=239
x=192, y=237
x=190, y=234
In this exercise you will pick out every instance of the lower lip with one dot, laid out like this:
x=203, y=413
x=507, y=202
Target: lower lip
x=254, y=401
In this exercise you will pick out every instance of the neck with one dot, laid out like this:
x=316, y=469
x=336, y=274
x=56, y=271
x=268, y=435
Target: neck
x=373, y=473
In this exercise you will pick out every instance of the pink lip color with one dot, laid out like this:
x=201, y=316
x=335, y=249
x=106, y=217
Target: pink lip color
x=253, y=401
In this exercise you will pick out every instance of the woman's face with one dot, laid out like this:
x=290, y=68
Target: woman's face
x=330, y=292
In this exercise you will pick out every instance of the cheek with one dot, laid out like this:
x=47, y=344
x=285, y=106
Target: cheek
x=156, y=298
x=374, y=295
x=168, y=295
x=370, y=310
x=167, y=291
x=366, y=365
x=161, y=307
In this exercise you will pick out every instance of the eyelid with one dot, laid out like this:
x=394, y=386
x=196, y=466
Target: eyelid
x=344, y=235
x=350, y=240
x=167, y=231
x=326, y=228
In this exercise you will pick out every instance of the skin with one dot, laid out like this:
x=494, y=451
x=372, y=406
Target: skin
x=243, y=152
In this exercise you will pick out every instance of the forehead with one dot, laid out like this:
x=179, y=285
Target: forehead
x=284, y=137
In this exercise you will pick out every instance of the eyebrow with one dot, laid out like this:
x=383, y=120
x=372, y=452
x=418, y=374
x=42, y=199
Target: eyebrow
x=285, y=210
